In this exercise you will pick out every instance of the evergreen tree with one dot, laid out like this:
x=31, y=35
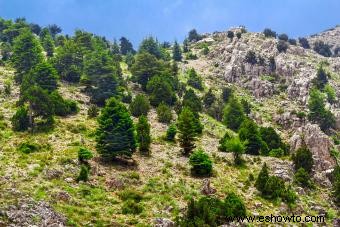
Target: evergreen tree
x=126, y=46
x=54, y=29
x=160, y=90
x=187, y=130
x=303, y=158
x=262, y=178
x=151, y=46
x=47, y=42
x=171, y=132
x=233, y=114
x=143, y=135
x=194, y=79
x=43, y=75
x=164, y=113
x=193, y=36
x=176, y=52
x=68, y=61
x=321, y=78
x=200, y=163
x=115, y=132
x=304, y=43
x=102, y=75
x=140, y=106
x=27, y=53
x=249, y=132
x=237, y=147
x=145, y=67
x=209, y=98
x=227, y=93
x=185, y=45
x=191, y=100
x=270, y=137
x=20, y=120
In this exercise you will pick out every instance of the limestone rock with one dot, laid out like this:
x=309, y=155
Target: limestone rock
x=207, y=189
x=163, y=222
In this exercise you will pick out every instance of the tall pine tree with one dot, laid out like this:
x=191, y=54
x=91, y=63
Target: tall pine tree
x=143, y=135
x=187, y=130
x=176, y=52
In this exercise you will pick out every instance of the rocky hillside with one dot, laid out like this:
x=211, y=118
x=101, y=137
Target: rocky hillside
x=40, y=188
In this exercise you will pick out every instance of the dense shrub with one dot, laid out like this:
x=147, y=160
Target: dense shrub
x=209, y=98
x=321, y=78
x=303, y=159
x=139, y=106
x=270, y=136
x=304, y=43
x=161, y=90
x=282, y=46
x=192, y=101
x=262, y=178
x=200, y=163
x=249, y=132
x=63, y=107
x=277, y=152
x=132, y=207
x=274, y=188
x=233, y=114
x=292, y=42
x=84, y=173
x=171, y=132
x=223, y=142
x=302, y=178
x=227, y=93
x=28, y=147
x=143, y=134
x=246, y=106
x=269, y=33
x=237, y=147
x=323, y=49
x=20, y=120
x=84, y=155
x=211, y=211
x=164, y=113
x=230, y=34
x=283, y=37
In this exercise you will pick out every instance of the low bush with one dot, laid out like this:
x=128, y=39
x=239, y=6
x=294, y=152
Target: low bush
x=164, y=113
x=140, y=105
x=303, y=179
x=20, y=120
x=28, y=147
x=132, y=207
x=282, y=46
x=303, y=158
x=278, y=152
x=83, y=174
x=84, y=154
x=201, y=164
x=171, y=132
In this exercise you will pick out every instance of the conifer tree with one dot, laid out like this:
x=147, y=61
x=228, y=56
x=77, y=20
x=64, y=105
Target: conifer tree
x=126, y=46
x=209, y=98
x=249, y=132
x=233, y=114
x=176, y=52
x=143, y=135
x=237, y=147
x=140, y=105
x=27, y=53
x=115, y=133
x=187, y=130
x=262, y=178
x=47, y=42
x=160, y=90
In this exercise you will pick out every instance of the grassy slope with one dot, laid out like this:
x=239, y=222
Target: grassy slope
x=164, y=178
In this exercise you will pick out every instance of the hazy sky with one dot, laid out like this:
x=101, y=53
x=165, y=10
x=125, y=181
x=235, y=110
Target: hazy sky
x=172, y=19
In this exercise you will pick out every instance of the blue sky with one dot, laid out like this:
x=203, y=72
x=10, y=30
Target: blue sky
x=172, y=19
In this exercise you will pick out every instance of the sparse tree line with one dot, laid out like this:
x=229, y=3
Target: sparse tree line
x=42, y=57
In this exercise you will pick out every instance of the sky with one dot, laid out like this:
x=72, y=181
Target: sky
x=170, y=20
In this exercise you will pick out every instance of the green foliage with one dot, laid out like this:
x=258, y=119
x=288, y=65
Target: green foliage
x=68, y=61
x=143, y=135
x=185, y=45
x=93, y=111
x=277, y=152
x=201, y=164
x=171, y=132
x=102, y=76
x=84, y=155
x=282, y=46
x=239, y=35
x=160, y=90
x=84, y=173
x=283, y=37
x=47, y=42
x=304, y=43
x=237, y=147
x=130, y=194
x=164, y=113
x=187, y=128
x=292, y=42
x=209, y=98
x=233, y=114
x=211, y=211
x=28, y=147
x=193, y=36
x=227, y=93
x=176, y=52
x=20, y=120
x=246, y=106
x=139, y=106
x=269, y=33
x=132, y=201
x=126, y=46
x=115, y=132
x=336, y=185
x=262, y=178
x=302, y=178
x=317, y=111
x=270, y=137
x=274, y=188
x=230, y=34
x=192, y=101
x=331, y=94
x=289, y=196
x=151, y=46
x=322, y=48
x=61, y=106
x=194, y=79
x=223, y=142
x=303, y=158
x=321, y=78
x=27, y=53
x=190, y=56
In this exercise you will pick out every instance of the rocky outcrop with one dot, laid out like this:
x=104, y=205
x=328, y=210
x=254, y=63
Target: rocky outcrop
x=30, y=213
x=206, y=188
x=163, y=222
x=319, y=144
x=330, y=37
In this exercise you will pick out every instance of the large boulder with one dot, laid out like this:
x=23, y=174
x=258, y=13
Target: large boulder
x=319, y=144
